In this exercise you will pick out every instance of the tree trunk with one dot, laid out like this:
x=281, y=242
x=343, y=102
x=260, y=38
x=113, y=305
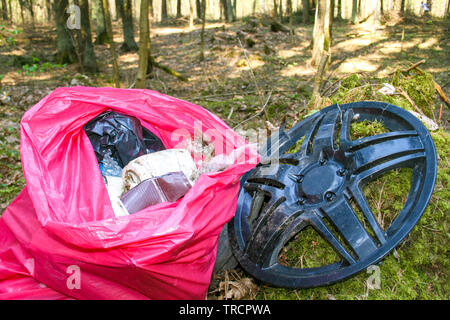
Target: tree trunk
x=126, y=13
x=48, y=5
x=199, y=9
x=144, y=45
x=354, y=11
x=202, y=34
x=88, y=55
x=164, y=10
x=65, y=48
x=290, y=10
x=178, y=9
x=4, y=10
x=191, y=14
x=339, y=9
x=102, y=35
x=21, y=10
x=230, y=11
x=322, y=31
x=30, y=8
x=281, y=11
x=275, y=9
x=111, y=43
x=305, y=9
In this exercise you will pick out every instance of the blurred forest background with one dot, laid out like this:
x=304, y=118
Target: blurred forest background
x=256, y=64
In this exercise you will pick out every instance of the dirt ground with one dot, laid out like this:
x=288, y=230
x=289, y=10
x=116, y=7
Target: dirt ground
x=233, y=82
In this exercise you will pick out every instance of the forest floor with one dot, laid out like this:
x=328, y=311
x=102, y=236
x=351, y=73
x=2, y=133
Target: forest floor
x=233, y=82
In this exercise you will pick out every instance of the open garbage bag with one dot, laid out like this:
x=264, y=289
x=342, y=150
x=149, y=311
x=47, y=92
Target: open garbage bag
x=60, y=238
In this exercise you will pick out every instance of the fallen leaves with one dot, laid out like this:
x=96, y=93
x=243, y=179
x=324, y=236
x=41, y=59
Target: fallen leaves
x=239, y=288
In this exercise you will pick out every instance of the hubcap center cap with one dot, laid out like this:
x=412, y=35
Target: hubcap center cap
x=320, y=179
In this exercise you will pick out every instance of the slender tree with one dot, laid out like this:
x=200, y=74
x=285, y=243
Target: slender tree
x=48, y=6
x=88, y=57
x=126, y=13
x=191, y=14
x=164, y=15
x=65, y=50
x=111, y=43
x=102, y=36
x=275, y=9
x=198, y=6
x=4, y=11
x=322, y=31
x=290, y=10
x=354, y=11
x=178, y=9
x=144, y=45
x=202, y=34
x=21, y=5
x=305, y=11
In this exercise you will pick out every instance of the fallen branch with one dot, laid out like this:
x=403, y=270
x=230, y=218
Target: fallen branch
x=411, y=101
x=437, y=87
x=167, y=70
x=441, y=93
x=413, y=66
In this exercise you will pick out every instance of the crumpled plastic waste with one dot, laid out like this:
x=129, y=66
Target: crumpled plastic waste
x=114, y=186
x=109, y=166
x=157, y=164
x=122, y=135
x=387, y=89
x=218, y=163
x=166, y=188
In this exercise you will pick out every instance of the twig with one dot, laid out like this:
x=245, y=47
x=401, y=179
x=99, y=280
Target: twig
x=236, y=93
x=254, y=79
x=441, y=93
x=260, y=112
x=411, y=101
x=167, y=70
x=437, y=87
x=413, y=66
x=329, y=87
x=440, y=113
x=230, y=114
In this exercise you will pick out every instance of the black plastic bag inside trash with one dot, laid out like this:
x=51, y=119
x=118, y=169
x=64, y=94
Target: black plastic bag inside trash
x=122, y=135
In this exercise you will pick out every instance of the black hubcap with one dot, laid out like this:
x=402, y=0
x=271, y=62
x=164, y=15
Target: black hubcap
x=314, y=186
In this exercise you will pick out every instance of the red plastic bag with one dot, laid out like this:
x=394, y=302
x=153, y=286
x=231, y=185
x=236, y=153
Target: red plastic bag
x=60, y=238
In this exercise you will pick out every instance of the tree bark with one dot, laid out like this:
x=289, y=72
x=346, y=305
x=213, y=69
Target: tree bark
x=339, y=9
x=164, y=10
x=354, y=11
x=178, y=9
x=275, y=9
x=88, y=56
x=191, y=14
x=199, y=8
x=65, y=50
x=30, y=8
x=21, y=9
x=202, y=34
x=4, y=11
x=322, y=31
x=102, y=35
x=126, y=13
x=111, y=44
x=48, y=6
x=305, y=9
x=144, y=45
x=230, y=10
x=290, y=10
